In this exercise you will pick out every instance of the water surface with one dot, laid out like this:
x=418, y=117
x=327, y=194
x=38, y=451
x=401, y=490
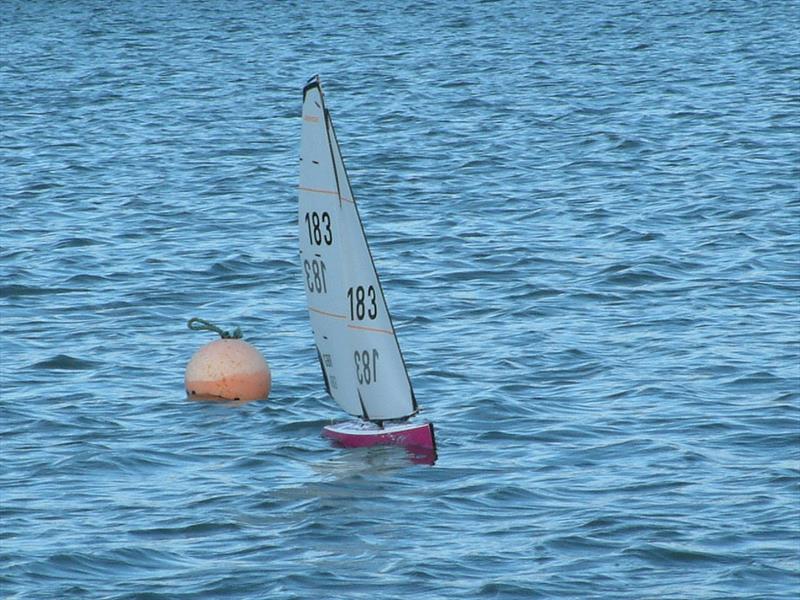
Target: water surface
x=586, y=218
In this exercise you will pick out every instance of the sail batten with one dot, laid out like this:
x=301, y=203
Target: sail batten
x=361, y=359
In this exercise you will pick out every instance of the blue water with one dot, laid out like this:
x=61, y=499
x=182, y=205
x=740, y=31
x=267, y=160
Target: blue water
x=586, y=216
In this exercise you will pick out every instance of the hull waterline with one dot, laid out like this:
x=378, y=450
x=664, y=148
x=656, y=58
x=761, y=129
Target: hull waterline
x=417, y=436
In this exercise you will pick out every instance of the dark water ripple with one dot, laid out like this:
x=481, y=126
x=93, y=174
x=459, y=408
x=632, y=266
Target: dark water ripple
x=587, y=220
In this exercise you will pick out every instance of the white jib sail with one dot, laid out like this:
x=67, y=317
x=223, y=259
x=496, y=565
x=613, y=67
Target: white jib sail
x=359, y=353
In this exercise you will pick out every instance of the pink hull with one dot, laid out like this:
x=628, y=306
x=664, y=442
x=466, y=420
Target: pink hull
x=358, y=435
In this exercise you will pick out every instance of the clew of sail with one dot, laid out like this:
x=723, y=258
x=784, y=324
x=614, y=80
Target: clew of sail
x=359, y=353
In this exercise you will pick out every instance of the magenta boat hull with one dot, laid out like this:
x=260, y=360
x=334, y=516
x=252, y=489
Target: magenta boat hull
x=359, y=435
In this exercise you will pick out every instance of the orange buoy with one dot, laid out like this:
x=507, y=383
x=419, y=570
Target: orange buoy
x=228, y=369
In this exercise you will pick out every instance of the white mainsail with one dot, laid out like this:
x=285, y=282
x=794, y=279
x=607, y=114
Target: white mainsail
x=359, y=354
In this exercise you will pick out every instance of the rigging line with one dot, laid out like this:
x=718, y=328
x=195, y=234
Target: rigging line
x=363, y=408
x=324, y=373
x=327, y=114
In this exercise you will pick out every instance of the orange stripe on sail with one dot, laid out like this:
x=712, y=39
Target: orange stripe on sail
x=310, y=119
x=373, y=329
x=308, y=189
x=327, y=314
x=329, y=192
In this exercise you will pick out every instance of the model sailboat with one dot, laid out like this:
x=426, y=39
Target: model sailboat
x=362, y=365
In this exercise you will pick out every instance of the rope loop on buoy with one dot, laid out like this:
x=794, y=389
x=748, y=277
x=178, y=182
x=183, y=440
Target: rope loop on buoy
x=196, y=324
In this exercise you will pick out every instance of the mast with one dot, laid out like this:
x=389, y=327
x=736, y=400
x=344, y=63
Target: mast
x=360, y=356
x=322, y=251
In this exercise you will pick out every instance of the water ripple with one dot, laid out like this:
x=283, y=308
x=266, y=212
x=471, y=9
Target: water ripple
x=586, y=223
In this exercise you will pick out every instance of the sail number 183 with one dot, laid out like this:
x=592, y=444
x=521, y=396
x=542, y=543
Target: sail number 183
x=319, y=228
x=363, y=302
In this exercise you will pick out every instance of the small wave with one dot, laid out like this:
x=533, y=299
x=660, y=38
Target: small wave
x=674, y=556
x=636, y=277
x=76, y=242
x=64, y=362
x=21, y=291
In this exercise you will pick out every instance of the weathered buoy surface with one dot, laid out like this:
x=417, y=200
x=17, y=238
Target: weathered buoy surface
x=228, y=369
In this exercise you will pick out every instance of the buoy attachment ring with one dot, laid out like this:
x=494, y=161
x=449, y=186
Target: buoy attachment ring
x=226, y=369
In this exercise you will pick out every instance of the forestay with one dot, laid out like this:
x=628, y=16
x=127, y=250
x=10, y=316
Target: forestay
x=358, y=351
